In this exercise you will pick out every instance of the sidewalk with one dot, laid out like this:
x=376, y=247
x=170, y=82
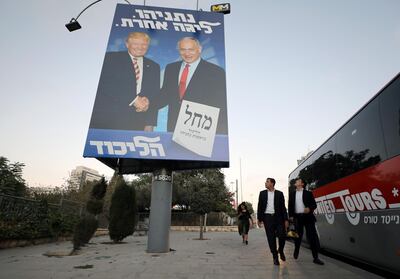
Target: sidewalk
x=222, y=256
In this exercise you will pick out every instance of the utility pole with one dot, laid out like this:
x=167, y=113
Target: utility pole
x=237, y=193
x=241, y=184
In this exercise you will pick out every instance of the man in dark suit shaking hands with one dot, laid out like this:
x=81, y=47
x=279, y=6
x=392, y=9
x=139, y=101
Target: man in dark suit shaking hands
x=128, y=82
x=301, y=207
x=196, y=80
x=272, y=212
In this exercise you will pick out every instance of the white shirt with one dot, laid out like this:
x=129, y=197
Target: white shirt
x=270, y=203
x=299, y=205
x=192, y=69
x=139, y=81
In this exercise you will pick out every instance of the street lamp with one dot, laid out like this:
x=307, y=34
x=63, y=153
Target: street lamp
x=74, y=25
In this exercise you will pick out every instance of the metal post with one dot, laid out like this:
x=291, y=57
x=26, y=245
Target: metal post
x=160, y=212
x=241, y=185
x=237, y=193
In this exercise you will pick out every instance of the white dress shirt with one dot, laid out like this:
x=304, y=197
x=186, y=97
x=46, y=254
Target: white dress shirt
x=270, y=203
x=139, y=81
x=192, y=69
x=299, y=205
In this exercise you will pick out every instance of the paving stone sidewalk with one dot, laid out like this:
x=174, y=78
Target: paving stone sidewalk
x=221, y=256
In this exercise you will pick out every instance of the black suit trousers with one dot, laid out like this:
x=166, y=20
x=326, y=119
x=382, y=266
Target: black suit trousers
x=274, y=227
x=303, y=221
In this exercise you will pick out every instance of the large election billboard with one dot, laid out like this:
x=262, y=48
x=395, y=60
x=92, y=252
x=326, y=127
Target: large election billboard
x=161, y=97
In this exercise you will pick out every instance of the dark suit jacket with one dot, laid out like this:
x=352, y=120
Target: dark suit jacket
x=207, y=86
x=279, y=205
x=308, y=200
x=117, y=89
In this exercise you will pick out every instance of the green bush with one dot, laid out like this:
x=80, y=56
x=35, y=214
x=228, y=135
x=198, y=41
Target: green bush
x=99, y=189
x=62, y=224
x=84, y=231
x=53, y=224
x=94, y=206
x=123, y=211
x=88, y=225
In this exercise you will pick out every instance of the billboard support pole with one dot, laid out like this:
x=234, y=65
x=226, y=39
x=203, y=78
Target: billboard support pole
x=160, y=212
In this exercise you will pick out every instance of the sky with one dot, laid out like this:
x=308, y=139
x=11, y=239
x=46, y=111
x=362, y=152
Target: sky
x=296, y=71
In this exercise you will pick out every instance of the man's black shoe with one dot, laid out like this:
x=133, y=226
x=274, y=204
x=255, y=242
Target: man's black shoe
x=276, y=261
x=295, y=254
x=318, y=261
x=282, y=256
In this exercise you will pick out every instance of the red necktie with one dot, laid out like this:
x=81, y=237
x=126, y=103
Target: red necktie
x=182, y=82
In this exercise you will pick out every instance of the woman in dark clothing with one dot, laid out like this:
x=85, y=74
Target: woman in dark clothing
x=244, y=222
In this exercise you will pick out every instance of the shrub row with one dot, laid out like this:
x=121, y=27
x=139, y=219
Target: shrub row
x=48, y=223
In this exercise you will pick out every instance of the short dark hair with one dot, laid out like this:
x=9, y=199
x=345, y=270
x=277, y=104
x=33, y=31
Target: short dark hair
x=272, y=180
x=302, y=180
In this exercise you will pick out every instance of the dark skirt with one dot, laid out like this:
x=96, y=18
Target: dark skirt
x=243, y=226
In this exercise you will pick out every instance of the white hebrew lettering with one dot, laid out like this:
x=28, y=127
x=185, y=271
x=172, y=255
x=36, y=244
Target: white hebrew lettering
x=99, y=146
x=122, y=148
x=126, y=22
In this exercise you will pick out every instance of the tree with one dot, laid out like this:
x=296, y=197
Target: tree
x=11, y=181
x=87, y=226
x=208, y=193
x=95, y=203
x=202, y=204
x=123, y=211
x=187, y=183
x=52, y=195
x=142, y=187
x=183, y=187
x=110, y=190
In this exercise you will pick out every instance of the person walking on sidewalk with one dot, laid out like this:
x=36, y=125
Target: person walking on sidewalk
x=272, y=213
x=301, y=207
x=244, y=222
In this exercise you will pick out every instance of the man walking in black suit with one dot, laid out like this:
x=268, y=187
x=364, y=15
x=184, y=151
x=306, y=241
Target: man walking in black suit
x=196, y=80
x=128, y=82
x=272, y=212
x=301, y=207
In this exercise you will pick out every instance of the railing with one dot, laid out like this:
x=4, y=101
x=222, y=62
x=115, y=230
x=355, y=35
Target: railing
x=23, y=218
x=12, y=207
x=192, y=219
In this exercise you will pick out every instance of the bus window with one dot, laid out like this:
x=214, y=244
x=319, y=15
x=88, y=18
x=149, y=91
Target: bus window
x=390, y=115
x=360, y=142
x=306, y=173
x=324, y=166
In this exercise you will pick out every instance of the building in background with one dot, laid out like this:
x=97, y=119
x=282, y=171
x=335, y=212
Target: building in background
x=303, y=158
x=80, y=175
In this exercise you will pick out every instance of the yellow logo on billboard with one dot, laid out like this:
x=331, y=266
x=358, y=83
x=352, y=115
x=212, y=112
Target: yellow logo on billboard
x=221, y=8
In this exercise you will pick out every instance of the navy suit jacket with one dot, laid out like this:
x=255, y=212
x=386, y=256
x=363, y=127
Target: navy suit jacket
x=279, y=205
x=308, y=200
x=207, y=86
x=117, y=89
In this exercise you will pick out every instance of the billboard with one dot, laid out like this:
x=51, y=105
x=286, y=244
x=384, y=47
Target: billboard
x=161, y=97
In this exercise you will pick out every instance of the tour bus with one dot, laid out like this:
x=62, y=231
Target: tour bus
x=355, y=179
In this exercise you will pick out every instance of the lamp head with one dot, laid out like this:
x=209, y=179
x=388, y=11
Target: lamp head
x=73, y=25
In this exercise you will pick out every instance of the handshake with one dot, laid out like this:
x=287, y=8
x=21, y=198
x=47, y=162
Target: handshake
x=141, y=104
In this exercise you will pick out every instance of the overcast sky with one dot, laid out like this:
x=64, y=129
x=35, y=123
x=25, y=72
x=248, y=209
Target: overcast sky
x=296, y=71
